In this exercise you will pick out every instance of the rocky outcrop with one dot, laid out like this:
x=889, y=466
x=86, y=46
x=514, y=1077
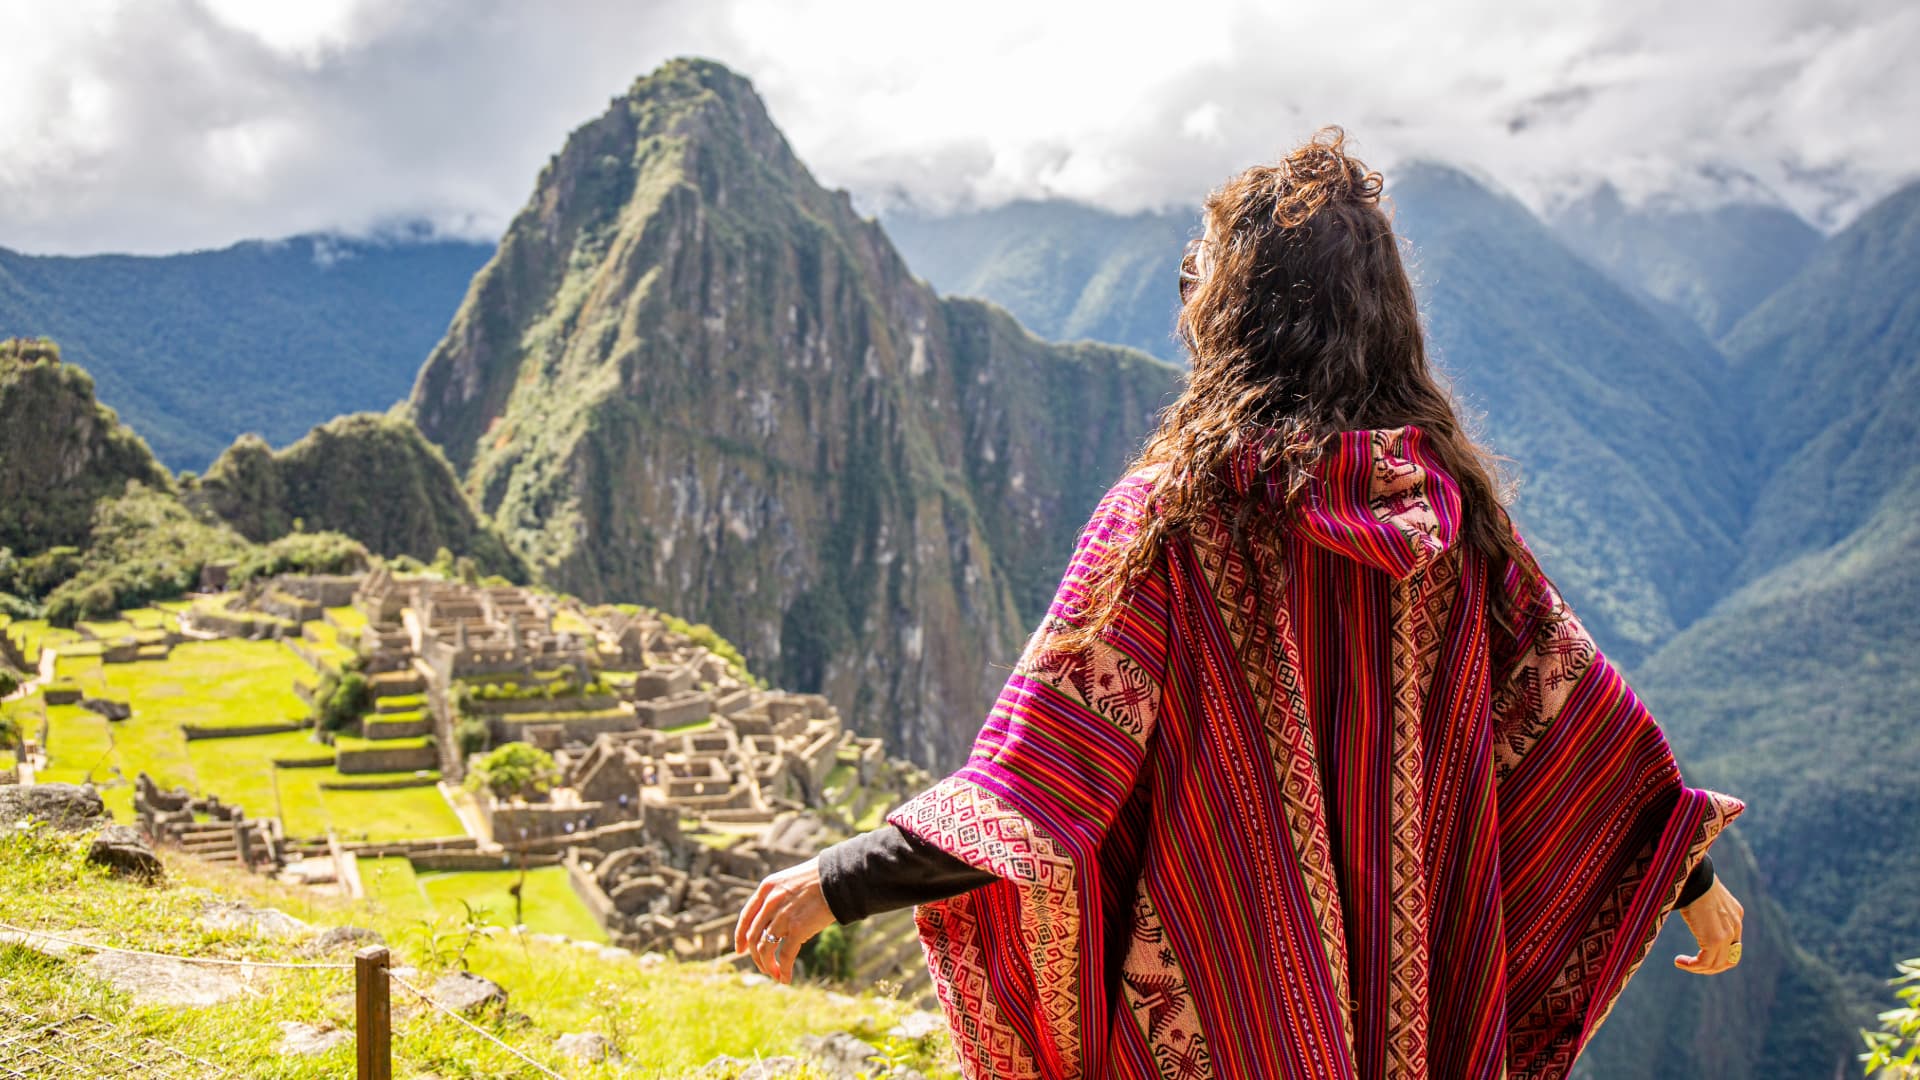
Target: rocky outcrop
x=695, y=378
x=124, y=851
x=371, y=477
x=63, y=806
x=60, y=450
x=465, y=992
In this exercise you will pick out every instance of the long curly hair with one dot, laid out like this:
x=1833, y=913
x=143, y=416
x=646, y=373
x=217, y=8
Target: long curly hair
x=1300, y=322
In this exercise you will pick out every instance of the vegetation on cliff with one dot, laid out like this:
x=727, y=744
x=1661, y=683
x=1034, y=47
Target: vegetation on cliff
x=61, y=452
x=1800, y=686
x=694, y=378
x=369, y=476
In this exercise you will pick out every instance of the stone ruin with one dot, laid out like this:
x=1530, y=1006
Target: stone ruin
x=682, y=783
x=206, y=827
x=673, y=895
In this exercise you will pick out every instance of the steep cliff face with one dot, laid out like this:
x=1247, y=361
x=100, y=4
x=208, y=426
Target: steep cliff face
x=61, y=452
x=371, y=477
x=695, y=378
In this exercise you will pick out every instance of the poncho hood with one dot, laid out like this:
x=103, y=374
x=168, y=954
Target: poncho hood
x=1379, y=496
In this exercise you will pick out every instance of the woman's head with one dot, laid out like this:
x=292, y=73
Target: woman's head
x=1300, y=322
x=1297, y=305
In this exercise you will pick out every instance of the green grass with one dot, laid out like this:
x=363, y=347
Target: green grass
x=348, y=619
x=838, y=777
x=392, y=703
x=345, y=742
x=324, y=641
x=152, y=618
x=551, y=906
x=418, y=813
x=668, y=1020
x=30, y=634
x=225, y=683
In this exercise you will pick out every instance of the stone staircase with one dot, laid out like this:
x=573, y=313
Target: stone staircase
x=212, y=841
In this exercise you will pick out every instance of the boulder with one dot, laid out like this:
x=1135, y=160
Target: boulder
x=843, y=1054
x=586, y=1046
x=157, y=980
x=343, y=937
x=733, y=1068
x=64, y=806
x=107, y=707
x=466, y=992
x=307, y=1040
x=918, y=1025
x=124, y=851
x=230, y=915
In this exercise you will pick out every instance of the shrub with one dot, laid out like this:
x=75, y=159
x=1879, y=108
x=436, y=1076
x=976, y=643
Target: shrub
x=343, y=700
x=1893, y=1051
x=515, y=770
x=302, y=553
x=471, y=736
x=829, y=955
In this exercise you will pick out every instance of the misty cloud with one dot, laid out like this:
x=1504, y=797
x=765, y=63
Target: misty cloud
x=171, y=124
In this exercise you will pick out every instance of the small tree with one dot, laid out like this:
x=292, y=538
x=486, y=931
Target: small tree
x=344, y=701
x=515, y=770
x=1893, y=1052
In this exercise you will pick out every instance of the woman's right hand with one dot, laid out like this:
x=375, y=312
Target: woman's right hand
x=1716, y=920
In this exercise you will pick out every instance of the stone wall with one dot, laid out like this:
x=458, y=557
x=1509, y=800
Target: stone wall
x=430, y=861
x=193, y=731
x=582, y=728
x=378, y=759
x=511, y=706
x=690, y=707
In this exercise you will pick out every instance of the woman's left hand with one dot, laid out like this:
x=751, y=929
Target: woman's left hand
x=786, y=911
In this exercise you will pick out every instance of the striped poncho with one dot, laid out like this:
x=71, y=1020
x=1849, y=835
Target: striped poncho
x=1367, y=833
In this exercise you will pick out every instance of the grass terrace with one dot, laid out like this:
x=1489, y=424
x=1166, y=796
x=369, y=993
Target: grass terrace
x=667, y=1020
x=29, y=634
x=549, y=903
x=325, y=642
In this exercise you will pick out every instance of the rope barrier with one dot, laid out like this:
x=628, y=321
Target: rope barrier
x=217, y=961
x=284, y=965
x=477, y=1029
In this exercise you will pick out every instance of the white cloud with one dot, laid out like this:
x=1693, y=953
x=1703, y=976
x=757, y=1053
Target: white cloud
x=167, y=124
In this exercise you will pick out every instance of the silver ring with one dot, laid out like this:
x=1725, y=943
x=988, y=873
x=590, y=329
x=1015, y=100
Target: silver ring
x=768, y=935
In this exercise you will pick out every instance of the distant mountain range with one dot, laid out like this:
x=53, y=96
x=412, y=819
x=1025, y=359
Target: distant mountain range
x=690, y=376
x=263, y=337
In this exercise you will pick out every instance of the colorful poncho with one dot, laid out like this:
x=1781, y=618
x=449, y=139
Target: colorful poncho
x=1366, y=834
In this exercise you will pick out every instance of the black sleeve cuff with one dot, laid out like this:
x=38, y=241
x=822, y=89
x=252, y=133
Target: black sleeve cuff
x=1698, y=882
x=887, y=869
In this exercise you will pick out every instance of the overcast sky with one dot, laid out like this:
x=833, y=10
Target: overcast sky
x=162, y=125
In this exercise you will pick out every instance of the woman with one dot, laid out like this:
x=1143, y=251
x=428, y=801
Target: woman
x=1309, y=771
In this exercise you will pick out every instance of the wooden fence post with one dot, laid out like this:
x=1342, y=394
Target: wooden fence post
x=372, y=1032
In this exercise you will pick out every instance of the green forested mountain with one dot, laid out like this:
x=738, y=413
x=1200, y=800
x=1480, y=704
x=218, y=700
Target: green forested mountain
x=694, y=378
x=60, y=450
x=1800, y=686
x=268, y=337
x=89, y=522
x=1575, y=377
x=1712, y=265
x=370, y=476
x=1067, y=272
x=1824, y=371
x=1641, y=470
x=1610, y=417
